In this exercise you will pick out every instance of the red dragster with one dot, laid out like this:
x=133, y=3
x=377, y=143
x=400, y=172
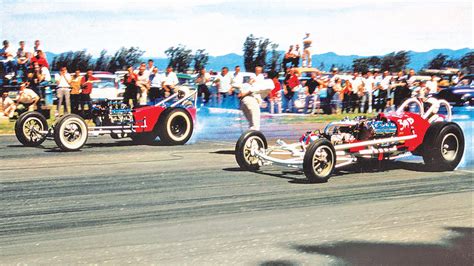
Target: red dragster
x=416, y=128
x=171, y=120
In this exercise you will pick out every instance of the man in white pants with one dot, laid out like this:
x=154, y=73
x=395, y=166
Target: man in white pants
x=63, y=80
x=307, y=50
x=251, y=95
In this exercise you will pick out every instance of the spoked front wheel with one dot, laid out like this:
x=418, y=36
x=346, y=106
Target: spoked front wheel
x=30, y=129
x=246, y=147
x=319, y=161
x=70, y=132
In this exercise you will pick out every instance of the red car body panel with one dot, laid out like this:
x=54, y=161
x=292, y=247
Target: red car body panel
x=150, y=115
x=407, y=124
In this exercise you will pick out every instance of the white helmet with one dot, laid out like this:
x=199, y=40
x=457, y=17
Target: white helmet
x=434, y=105
x=183, y=92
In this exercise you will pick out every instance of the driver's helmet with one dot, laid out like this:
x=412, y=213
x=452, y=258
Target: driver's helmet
x=433, y=109
x=183, y=92
x=434, y=105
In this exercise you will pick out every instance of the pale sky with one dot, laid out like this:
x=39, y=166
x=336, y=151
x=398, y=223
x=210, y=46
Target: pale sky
x=220, y=26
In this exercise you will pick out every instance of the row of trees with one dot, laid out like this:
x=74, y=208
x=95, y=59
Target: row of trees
x=392, y=62
x=441, y=61
x=397, y=61
x=181, y=58
x=260, y=51
x=82, y=60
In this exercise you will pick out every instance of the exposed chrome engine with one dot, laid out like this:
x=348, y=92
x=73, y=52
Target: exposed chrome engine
x=111, y=113
x=350, y=130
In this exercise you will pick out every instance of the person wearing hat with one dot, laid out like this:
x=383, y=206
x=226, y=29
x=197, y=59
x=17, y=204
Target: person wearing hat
x=27, y=97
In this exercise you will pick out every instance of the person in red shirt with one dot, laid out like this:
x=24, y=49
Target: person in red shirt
x=86, y=89
x=40, y=58
x=274, y=95
x=289, y=86
x=130, y=82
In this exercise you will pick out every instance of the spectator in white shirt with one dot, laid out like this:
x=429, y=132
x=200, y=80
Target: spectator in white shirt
x=201, y=80
x=63, y=80
x=357, y=91
x=37, y=47
x=237, y=79
x=170, y=80
x=366, y=101
x=7, y=57
x=143, y=83
x=23, y=56
x=150, y=66
x=296, y=54
x=224, y=87
x=411, y=78
x=27, y=97
x=155, y=85
x=8, y=105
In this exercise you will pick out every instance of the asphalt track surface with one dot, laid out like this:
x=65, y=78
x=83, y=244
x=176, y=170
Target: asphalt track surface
x=119, y=203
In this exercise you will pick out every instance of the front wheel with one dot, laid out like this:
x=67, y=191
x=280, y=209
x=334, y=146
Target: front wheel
x=444, y=146
x=248, y=144
x=319, y=161
x=70, y=132
x=30, y=128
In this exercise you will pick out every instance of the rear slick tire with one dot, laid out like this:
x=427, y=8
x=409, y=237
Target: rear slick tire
x=175, y=126
x=443, y=146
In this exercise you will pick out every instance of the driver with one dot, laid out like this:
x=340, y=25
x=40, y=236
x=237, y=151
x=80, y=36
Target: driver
x=432, y=113
x=184, y=93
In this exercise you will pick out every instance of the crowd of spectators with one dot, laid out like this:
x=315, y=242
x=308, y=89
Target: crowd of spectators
x=29, y=69
x=354, y=92
x=295, y=92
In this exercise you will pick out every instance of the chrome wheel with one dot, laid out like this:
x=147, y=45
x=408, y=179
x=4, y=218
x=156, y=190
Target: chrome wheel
x=322, y=161
x=252, y=146
x=449, y=147
x=32, y=128
x=70, y=133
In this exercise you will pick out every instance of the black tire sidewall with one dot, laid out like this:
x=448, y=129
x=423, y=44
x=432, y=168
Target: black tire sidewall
x=163, y=131
x=19, y=128
x=240, y=145
x=432, y=148
x=57, y=132
x=308, y=168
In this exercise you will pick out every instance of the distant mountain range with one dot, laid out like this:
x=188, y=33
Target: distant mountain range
x=417, y=59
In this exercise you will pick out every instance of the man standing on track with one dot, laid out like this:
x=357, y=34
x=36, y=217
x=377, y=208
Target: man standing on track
x=307, y=51
x=250, y=97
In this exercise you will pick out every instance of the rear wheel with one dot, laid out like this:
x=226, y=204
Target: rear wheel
x=319, y=161
x=70, y=132
x=245, y=148
x=175, y=127
x=443, y=146
x=28, y=129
